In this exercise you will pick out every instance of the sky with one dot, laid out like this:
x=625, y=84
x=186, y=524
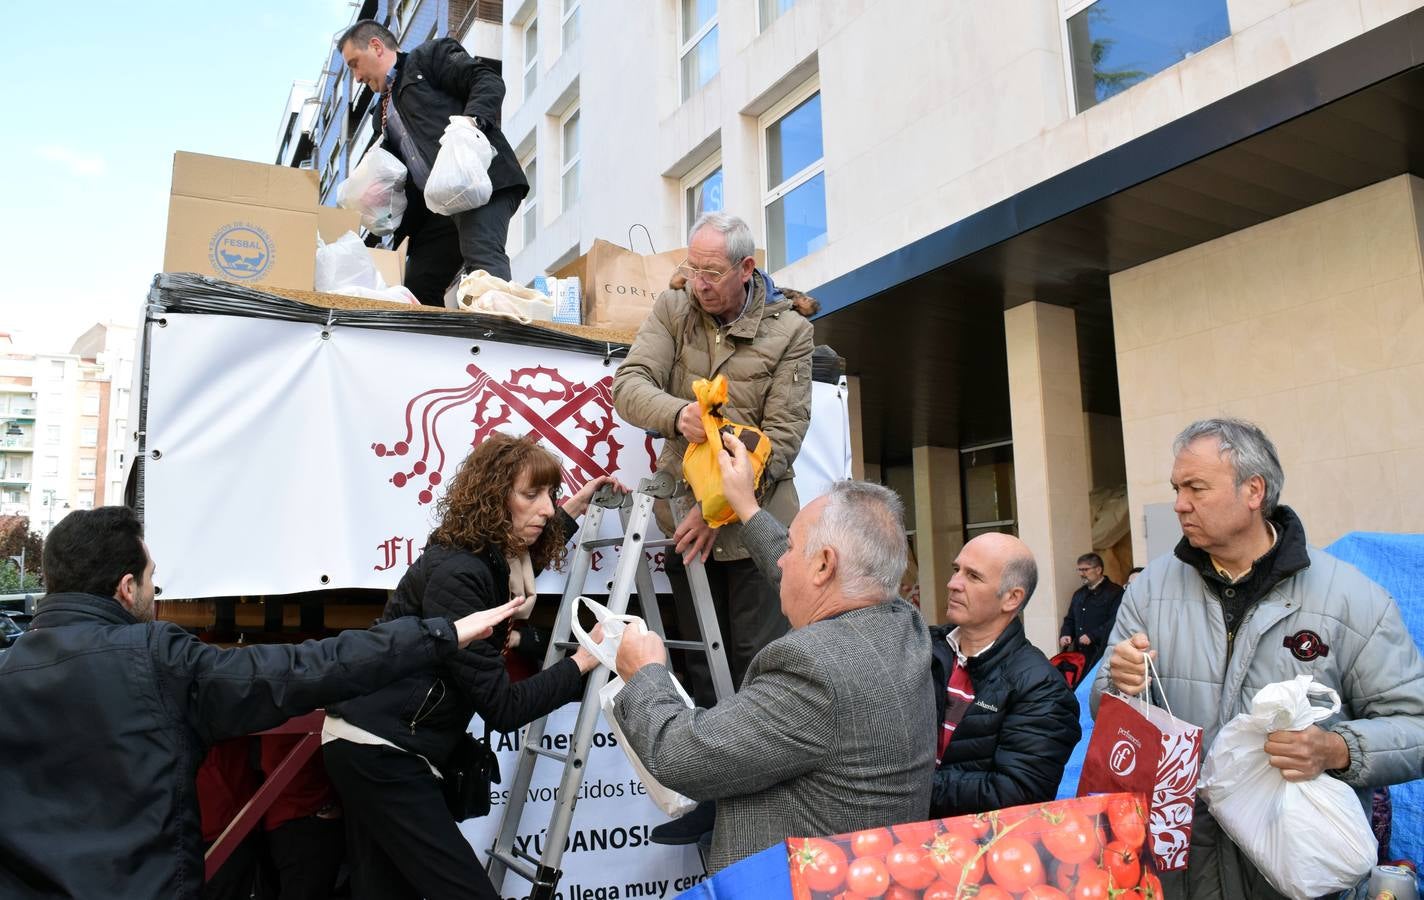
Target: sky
x=106, y=93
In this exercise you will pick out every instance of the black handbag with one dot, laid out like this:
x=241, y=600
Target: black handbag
x=467, y=775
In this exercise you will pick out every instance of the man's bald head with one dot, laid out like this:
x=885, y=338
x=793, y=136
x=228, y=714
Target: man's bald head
x=1017, y=566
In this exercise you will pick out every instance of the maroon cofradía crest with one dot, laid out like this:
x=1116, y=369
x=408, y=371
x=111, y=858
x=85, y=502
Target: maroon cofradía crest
x=1306, y=646
x=575, y=420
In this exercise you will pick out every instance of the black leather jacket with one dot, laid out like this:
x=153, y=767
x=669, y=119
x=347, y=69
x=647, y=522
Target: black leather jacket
x=105, y=720
x=1011, y=746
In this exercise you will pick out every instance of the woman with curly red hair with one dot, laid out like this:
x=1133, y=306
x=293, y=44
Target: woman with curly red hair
x=499, y=524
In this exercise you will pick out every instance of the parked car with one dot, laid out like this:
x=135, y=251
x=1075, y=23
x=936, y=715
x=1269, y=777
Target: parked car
x=11, y=627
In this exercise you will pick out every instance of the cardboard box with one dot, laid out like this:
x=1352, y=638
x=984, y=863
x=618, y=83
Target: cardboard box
x=333, y=221
x=390, y=263
x=242, y=221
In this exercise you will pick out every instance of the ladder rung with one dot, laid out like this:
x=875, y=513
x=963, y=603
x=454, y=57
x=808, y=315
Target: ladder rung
x=532, y=860
x=567, y=645
x=551, y=754
x=518, y=867
x=685, y=645
x=660, y=542
x=596, y=543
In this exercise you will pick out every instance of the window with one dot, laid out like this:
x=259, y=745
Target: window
x=88, y=436
x=771, y=10
x=51, y=434
x=571, y=22
x=86, y=467
x=529, y=218
x=86, y=499
x=51, y=465
x=90, y=406
x=986, y=476
x=702, y=190
x=531, y=57
x=569, y=129
x=12, y=496
x=1114, y=44
x=698, y=54
x=56, y=368
x=795, y=200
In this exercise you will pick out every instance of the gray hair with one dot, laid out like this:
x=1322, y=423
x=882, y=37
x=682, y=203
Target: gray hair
x=1246, y=447
x=864, y=524
x=734, y=231
x=1019, y=572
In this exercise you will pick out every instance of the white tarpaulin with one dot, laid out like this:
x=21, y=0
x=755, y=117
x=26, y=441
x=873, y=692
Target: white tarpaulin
x=282, y=460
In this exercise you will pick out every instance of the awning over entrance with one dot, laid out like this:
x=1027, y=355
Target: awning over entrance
x=923, y=326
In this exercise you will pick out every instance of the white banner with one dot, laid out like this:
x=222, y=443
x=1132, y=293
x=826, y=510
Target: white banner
x=282, y=460
x=608, y=853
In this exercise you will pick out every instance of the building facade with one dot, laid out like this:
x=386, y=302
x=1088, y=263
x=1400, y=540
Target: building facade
x=64, y=418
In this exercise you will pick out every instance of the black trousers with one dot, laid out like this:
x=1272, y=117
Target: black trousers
x=307, y=854
x=441, y=245
x=401, y=841
x=748, y=612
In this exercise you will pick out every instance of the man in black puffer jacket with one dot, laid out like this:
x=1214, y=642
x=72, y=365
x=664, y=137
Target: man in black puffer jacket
x=1007, y=720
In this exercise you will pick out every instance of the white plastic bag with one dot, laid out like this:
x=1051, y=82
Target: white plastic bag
x=345, y=263
x=376, y=189
x=459, y=180
x=606, y=652
x=1308, y=838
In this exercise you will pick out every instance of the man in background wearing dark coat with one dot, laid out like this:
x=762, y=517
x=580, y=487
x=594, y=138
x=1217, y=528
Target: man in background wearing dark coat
x=1091, y=612
x=1007, y=720
x=420, y=91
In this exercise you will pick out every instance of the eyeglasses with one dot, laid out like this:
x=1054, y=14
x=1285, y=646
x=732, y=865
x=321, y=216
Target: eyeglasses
x=710, y=276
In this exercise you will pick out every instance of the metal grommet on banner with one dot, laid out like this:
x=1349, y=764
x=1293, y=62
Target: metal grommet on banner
x=607, y=354
x=325, y=579
x=155, y=454
x=475, y=350
x=162, y=322
x=326, y=329
x=326, y=335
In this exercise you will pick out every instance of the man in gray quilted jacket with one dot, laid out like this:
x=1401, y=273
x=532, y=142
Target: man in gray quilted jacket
x=1244, y=602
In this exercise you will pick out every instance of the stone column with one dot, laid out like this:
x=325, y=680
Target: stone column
x=939, y=524
x=1050, y=458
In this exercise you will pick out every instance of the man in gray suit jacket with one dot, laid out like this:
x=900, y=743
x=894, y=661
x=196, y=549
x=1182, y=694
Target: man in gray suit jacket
x=831, y=730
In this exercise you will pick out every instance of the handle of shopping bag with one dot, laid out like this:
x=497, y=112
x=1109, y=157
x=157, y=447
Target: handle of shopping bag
x=1317, y=689
x=652, y=248
x=613, y=626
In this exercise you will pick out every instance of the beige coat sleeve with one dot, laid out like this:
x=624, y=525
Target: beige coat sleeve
x=787, y=414
x=640, y=386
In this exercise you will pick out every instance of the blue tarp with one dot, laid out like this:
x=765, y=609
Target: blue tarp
x=1395, y=561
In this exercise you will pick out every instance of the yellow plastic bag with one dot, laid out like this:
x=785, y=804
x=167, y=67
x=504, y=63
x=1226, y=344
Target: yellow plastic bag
x=699, y=461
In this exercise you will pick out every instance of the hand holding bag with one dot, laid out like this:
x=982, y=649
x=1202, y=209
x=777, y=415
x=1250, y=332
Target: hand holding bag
x=606, y=652
x=1285, y=827
x=1141, y=749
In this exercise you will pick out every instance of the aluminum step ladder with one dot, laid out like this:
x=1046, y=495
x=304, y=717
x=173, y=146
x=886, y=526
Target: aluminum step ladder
x=632, y=574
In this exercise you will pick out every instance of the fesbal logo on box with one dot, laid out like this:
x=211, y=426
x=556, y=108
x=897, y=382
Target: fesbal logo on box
x=241, y=250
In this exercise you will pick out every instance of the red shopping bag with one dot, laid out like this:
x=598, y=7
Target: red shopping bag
x=1140, y=748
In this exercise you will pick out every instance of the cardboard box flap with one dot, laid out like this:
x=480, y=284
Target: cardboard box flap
x=238, y=181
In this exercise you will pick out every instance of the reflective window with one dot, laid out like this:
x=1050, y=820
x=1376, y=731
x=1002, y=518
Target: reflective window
x=704, y=196
x=531, y=201
x=571, y=22
x=698, y=53
x=1118, y=43
x=531, y=57
x=796, y=183
x=570, y=179
x=771, y=10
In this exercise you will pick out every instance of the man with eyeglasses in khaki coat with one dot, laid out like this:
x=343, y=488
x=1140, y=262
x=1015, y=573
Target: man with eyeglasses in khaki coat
x=726, y=317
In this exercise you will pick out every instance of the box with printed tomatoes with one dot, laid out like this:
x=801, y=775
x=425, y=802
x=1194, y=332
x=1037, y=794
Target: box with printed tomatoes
x=1083, y=848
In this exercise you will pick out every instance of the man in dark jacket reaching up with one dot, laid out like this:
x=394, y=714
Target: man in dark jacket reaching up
x=108, y=714
x=1007, y=720
x=419, y=92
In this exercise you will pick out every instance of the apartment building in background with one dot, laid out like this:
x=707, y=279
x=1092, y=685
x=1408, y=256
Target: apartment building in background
x=1046, y=234
x=63, y=421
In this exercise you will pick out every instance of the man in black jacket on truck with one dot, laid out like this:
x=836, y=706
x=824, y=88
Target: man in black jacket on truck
x=107, y=715
x=419, y=92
